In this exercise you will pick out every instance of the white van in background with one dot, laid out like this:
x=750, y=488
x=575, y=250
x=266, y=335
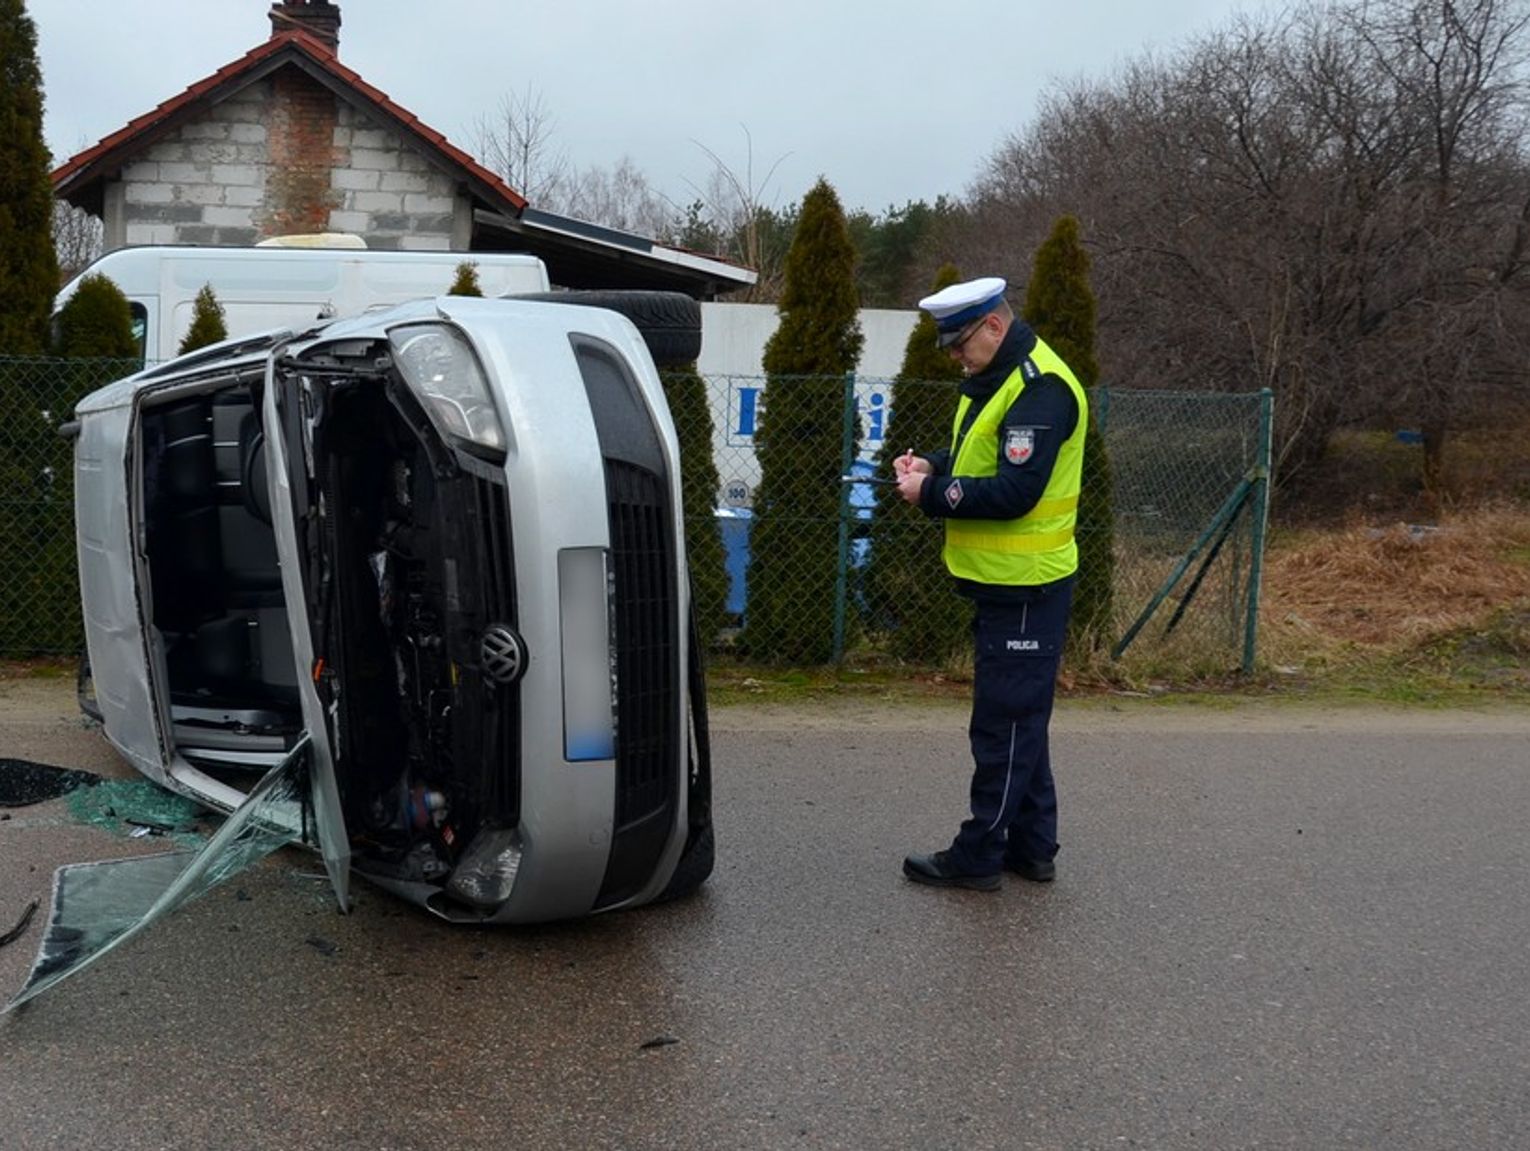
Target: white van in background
x=268, y=287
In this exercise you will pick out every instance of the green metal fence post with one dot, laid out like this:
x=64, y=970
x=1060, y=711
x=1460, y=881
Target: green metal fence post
x=846, y=461
x=1261, y=511
x=1220, y=524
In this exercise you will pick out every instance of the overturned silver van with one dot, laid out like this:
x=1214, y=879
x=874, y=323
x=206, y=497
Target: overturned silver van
x=430, y=562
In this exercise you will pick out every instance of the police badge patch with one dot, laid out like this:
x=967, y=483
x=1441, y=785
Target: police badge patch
x=1019, y=444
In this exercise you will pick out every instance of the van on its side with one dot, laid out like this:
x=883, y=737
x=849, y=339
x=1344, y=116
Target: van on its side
x=263, y=288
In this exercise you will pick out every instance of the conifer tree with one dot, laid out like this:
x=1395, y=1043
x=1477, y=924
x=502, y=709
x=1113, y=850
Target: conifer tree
x=1060, y=306
x=33, y=492
x=39, y=588
x=687, y=395
x=207, y=322
x=40, y=605
x=28, y=263
x=794, y=536
x=907, y=591
x=96, y=322
x=466, y=283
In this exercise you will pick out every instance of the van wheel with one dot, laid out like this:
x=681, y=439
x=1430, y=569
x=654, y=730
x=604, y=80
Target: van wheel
x=694, y=866
x=669, y=322
x=700, y=851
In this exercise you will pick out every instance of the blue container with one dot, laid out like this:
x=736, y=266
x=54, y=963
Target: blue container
x=734, y=525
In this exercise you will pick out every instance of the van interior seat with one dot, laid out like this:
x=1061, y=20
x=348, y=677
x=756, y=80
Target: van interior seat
x=252, y=573
x=217, y=581
x=184, y=538
x=252, y=468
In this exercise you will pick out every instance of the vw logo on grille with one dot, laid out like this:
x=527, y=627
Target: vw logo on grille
x=502, y=654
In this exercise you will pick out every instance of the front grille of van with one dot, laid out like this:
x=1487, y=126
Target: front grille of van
x=491, y=710
x=647, y=677
x=650, y=752
x=646, y=660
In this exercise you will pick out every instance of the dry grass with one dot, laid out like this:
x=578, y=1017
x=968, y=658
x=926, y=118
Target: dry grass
x=1395, y=587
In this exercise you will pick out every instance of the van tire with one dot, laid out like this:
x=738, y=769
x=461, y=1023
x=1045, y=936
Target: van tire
x=700, y=852
x=695, y=864
x=669, y=322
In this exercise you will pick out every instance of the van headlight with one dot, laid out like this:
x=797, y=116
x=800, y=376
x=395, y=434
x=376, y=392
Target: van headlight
x=485, y=875
x=439, y=366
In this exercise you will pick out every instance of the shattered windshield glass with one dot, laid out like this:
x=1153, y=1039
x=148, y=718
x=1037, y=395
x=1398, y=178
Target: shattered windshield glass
x=96, y=906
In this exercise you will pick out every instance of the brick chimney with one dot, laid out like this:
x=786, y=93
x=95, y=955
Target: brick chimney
x=319, y=18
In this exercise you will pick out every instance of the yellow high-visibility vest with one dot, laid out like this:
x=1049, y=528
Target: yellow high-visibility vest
x=1038, y=547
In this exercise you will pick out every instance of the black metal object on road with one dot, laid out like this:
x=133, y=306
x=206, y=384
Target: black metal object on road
x=22, y=924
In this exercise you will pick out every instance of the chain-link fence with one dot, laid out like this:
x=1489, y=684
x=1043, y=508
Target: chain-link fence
x=1191, y=475
x=817, y=559
x=39, y=581
x=1187, y=474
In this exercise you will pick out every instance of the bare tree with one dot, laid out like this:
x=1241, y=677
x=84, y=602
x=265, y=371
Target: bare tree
x=518, y=143
x=1330, y=203
x=737, y=210
x=621, y=197
x=77, y=238
x=1459, y=73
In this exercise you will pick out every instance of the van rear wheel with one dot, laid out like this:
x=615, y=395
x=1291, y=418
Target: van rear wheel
x=669, y=322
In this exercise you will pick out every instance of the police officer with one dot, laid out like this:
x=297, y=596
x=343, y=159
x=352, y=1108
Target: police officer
x=1007, y=490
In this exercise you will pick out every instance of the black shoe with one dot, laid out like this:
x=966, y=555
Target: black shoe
x=1036, y=870
x=937, y=871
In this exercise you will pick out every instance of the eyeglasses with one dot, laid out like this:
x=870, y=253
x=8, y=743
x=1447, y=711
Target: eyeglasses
x=956, y=345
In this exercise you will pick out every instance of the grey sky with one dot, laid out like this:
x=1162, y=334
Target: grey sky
x=891, y=101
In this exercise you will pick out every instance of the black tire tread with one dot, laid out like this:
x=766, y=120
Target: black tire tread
x=695, y=864
x=669, y=322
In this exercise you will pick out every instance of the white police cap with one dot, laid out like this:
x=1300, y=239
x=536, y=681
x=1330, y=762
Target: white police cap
x=955, y=307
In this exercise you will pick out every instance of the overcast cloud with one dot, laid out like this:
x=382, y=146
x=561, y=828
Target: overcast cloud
x=891, y=101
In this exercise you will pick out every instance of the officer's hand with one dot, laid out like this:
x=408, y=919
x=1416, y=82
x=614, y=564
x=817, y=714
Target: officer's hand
x=911, y=485
x=908, y=463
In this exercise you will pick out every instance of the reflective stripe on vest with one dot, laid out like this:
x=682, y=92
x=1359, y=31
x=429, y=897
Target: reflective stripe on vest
x=1038, y=547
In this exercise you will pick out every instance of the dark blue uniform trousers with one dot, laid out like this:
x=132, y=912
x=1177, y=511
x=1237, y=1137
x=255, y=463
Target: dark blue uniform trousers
x=1017, y=645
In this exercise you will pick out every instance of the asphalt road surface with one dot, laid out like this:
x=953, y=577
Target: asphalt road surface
x=1270, y=928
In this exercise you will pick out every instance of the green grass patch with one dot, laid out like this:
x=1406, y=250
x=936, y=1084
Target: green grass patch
x=1472, y=667
x=51, y=667
x=871, y=677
